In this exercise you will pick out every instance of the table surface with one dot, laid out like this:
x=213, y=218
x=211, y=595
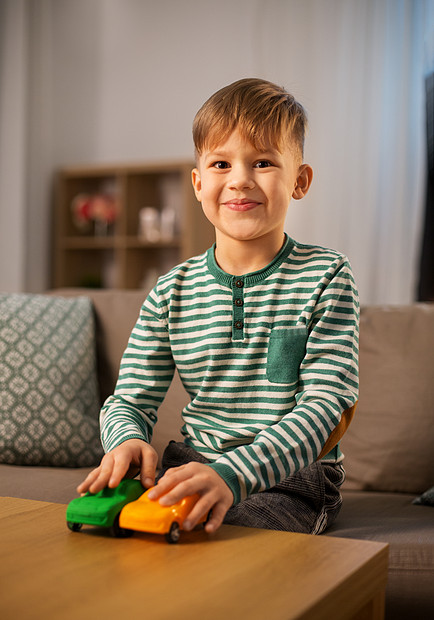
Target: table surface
x=49, y=572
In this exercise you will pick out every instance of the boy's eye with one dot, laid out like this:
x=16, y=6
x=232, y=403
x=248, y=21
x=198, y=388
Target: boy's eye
x=221, y=165
x=263, y=164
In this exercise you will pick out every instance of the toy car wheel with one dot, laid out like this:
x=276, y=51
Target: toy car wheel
x=174, y=533
x=118, y=531
x=74, y=527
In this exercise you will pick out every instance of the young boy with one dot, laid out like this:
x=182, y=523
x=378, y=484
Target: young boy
x=262, y=330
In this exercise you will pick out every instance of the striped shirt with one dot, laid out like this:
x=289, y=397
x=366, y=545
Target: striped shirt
x=269, y=360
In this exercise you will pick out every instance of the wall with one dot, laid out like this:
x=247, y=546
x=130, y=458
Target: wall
x=132, y=90
x=13, y=126
x=120, y=80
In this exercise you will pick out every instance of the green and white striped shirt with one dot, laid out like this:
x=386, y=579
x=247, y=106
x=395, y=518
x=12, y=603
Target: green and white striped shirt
x=269, y=360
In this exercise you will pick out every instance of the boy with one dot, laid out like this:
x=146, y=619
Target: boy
x=263, y=331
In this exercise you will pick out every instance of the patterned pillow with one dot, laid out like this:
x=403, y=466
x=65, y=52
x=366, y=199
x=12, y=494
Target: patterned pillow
x=49, y=400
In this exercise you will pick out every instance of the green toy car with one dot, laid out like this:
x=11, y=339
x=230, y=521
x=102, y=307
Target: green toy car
x=102, y=509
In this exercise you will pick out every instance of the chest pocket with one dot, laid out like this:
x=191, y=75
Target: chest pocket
x=286, y=350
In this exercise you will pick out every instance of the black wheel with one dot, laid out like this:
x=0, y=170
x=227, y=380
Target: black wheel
x=118, y=531
x=173, y=534
x=74, y=527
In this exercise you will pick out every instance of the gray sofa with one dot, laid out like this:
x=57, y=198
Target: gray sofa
x=389, y=448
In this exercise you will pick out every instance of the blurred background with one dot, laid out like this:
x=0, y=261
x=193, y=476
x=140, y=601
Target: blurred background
x=86, y=82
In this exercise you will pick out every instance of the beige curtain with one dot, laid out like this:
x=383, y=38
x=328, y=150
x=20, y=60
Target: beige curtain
x=359, y=66
x=112, y=80
x=13, y=126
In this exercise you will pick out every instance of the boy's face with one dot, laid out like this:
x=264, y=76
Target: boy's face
x=245, y=193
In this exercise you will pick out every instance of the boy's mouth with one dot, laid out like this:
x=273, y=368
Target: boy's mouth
x=244, y=204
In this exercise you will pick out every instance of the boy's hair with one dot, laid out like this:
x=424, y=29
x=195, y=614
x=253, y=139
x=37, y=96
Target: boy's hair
x=265, y=114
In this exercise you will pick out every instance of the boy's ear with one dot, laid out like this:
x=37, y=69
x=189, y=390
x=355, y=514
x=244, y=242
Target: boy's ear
x=304, y=179
x=197, y=183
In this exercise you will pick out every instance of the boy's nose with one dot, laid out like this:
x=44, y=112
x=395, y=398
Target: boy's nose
x=241, y=178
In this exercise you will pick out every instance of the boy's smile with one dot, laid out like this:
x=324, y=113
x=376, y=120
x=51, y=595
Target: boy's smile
x=243, y=204
x=245, y=193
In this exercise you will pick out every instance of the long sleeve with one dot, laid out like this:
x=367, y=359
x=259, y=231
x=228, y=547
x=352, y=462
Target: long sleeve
x=146, y=371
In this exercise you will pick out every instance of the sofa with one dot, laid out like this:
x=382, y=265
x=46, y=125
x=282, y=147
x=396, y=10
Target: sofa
x=389, y=447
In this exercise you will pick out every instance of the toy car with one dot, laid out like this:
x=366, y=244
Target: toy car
x=102, y=509
x=146, y=515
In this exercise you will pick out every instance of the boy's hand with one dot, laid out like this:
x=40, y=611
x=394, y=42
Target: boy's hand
x=130, y=457
x=180, y=482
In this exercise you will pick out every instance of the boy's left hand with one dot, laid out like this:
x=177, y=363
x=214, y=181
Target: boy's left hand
x=180, y=482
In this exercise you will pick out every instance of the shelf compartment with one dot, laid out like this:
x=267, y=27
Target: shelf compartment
x=122, y=258
x=89, y=268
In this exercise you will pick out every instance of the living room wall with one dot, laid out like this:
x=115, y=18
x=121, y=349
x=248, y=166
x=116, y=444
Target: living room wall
x=120, y=80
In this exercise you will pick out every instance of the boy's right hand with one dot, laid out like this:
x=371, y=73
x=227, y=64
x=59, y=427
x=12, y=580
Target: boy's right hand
x=130, y=457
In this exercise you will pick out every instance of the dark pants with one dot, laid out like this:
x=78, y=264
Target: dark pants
x=307, y=502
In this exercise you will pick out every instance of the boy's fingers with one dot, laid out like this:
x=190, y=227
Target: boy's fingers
x=149, y=466
x=173, y=491
x=201, y=508
x=129, y=458
x=99, y=484
x=187, y=480
x=117, y=471
x=216, y=519
x=204, y=506
x=169, y=481
x=104, y=474
x=90, y=478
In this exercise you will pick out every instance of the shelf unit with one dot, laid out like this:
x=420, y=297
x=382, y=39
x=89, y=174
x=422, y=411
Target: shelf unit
x=122, y=257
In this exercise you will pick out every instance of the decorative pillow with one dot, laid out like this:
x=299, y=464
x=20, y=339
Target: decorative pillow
x=49, y=402
x=426, y=499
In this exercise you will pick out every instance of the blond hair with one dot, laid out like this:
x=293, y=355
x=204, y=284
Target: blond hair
x=264, y=114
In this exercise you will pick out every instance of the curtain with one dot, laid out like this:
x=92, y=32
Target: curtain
x=26, y=157
x=13, y=125
x=358, y=66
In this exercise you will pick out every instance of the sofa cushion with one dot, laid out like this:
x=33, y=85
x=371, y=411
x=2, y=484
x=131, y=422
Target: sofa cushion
x=389, y=445
x=45, y=484
x=408, y=529
x=391, y=518
x=49, y=400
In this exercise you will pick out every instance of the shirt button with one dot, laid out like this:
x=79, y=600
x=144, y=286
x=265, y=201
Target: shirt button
x=238, y=302
x=239, y=283
x=238, y=325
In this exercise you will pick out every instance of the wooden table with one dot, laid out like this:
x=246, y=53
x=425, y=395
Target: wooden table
x=50, y=573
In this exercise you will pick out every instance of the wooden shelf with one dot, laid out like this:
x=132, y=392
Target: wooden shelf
x=138, y=242
x=125, y=258
x=87, y=243
x=112, y=242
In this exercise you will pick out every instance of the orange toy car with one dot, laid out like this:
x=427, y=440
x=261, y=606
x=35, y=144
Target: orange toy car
x=146, y=515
